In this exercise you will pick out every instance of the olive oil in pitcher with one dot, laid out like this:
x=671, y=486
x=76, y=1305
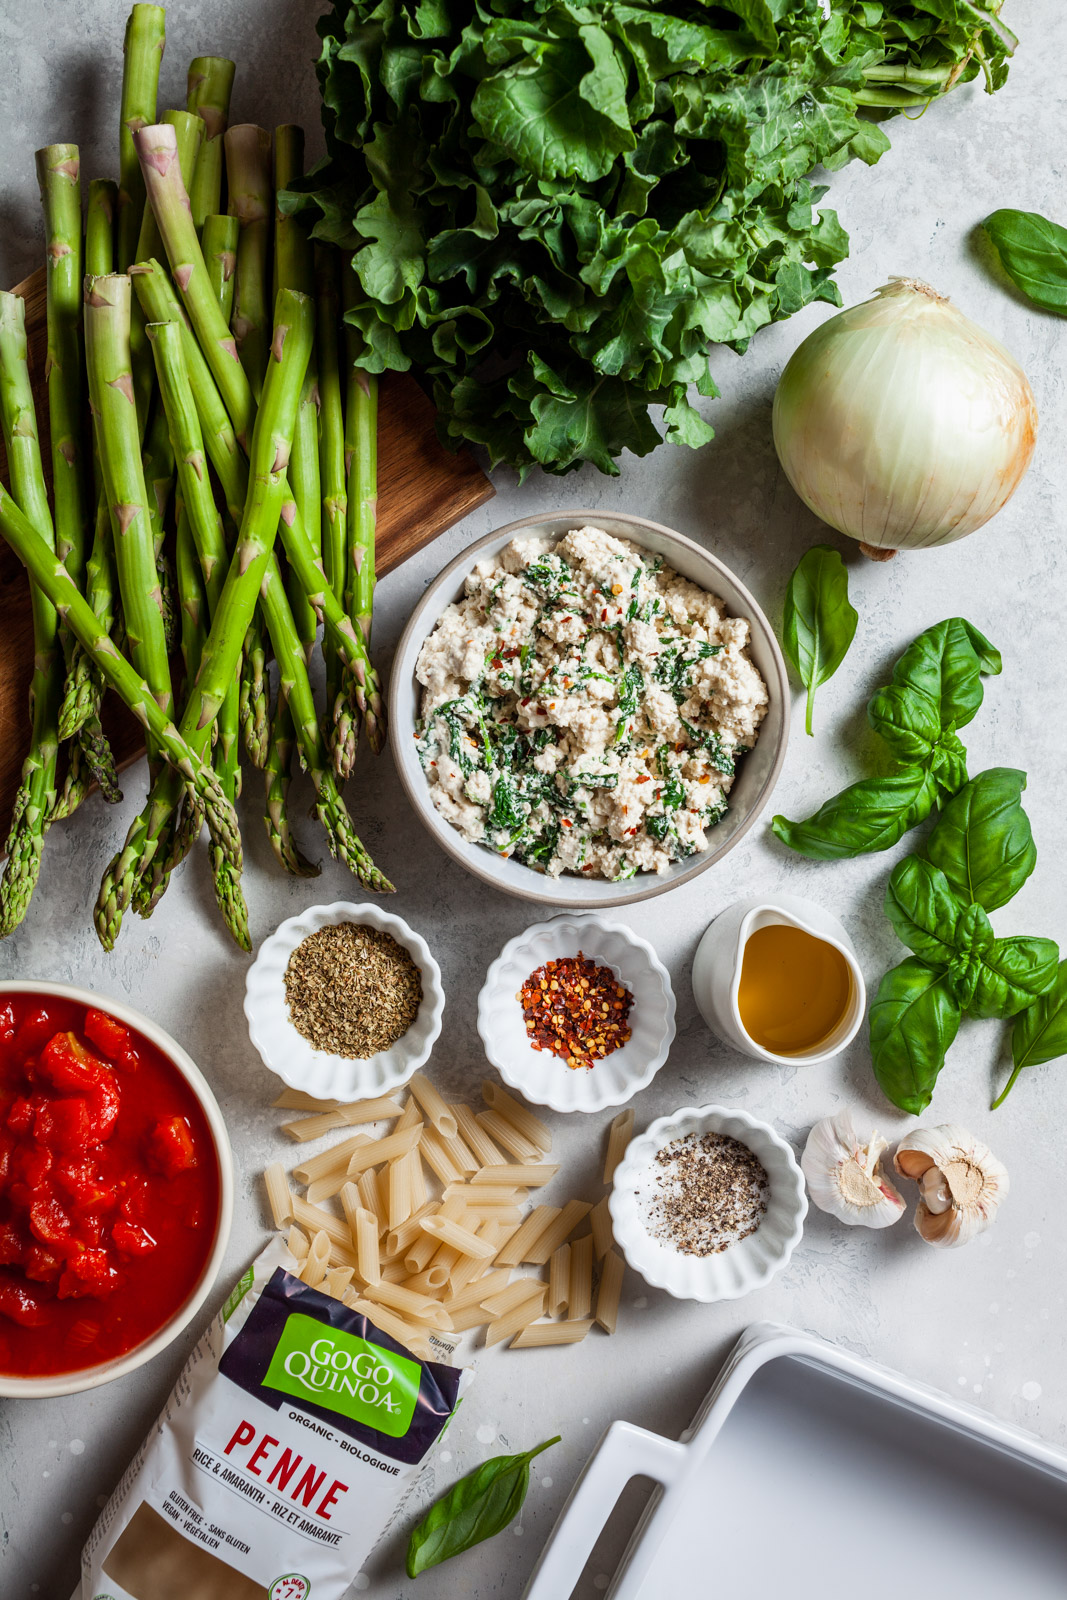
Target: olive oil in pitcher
x=794, y=988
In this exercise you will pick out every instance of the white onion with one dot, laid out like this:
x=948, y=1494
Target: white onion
x=902, y=423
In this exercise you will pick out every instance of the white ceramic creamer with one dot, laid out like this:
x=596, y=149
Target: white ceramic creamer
x=717, y=973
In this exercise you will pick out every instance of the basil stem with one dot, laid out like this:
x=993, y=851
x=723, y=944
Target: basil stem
x=1040, y=1033
x=475, y=1508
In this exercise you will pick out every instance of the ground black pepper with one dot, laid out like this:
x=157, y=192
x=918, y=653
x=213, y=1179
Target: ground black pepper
x=352, y=990
x=710, y=1192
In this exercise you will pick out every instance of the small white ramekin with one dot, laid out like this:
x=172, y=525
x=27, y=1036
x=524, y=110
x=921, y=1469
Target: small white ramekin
x=744, y=1266
x=285, y=1051
x=545, y=1078
x=60, y=1383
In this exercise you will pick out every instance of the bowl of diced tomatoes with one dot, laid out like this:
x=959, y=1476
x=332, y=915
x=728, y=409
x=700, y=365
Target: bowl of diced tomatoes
x=116, y=1189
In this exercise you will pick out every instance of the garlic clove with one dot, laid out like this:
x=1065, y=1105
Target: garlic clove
x=961, y=1183
x=844, y=1176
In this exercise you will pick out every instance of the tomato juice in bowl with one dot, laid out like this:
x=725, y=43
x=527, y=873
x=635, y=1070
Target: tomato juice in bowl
x=116, y=1189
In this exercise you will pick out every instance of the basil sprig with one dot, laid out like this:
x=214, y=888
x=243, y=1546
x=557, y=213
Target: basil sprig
x=1033, y=252
x=979, y=854
x=819, y=622
x=477, y=1507
x=936, y=688
x=1040, y=1034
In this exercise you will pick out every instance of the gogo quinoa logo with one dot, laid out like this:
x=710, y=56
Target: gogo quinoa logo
x=346, y=1374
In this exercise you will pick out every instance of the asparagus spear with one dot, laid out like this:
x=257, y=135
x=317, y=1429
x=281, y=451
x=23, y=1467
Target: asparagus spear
x=248, y=179
x=361, y=472
x=333, y=482
x=107, y=325
x=219, y=243
x=52, y=578
x=214, y=350
x=100, y=227
x=37, y=791
x=209, y=88
x=271, y=442
x=142, y=53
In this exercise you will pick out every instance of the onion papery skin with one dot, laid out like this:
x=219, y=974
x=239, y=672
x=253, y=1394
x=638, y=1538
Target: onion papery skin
x=902, y=423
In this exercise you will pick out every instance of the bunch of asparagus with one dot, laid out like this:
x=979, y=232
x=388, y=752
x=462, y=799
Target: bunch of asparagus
x=219, y=507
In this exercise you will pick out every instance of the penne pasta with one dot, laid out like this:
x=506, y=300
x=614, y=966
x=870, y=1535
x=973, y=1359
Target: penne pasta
x=399, y=1298
x=540, y=1333
x=459, y=1238
x=530, y=1176
x=326, y=1188
x=430, y=1281
x=337, y=1115
x=469, y=1317
x=305, y=1128
x=460, y=1153
x=379, y=1151
x=559, y=1280
x=333, y=1160
x=409, y=1116
x=607, y=1300
x=476, y=1137
x=519, y=1317
x=343, y=1255
x=472, y=1294
x=486, y=1194
x=443, y=1261
x=314, y=1219
x=365, y=1233
x=297, y=1243
x=420, y=1252
x=419, y=1192
x=465, y=1268
x=600, y=1222
x=394, y=1272
x=337, y=1281
x=399, y=1192
x=516, y=1294
x=372, y=1197
x=381, y=1109
x=527, y=1235
x=297, y=1100
x=403, y=1332
x=398, y=1239
x=521, y=1117
x=618, y=1138
x=580, y=1294
x=433, y=1105
x=278, y=1197
x=562, y=1228
x=504, y=1214
x=433, y=1152
x=317, y=1261
x=503, y=1132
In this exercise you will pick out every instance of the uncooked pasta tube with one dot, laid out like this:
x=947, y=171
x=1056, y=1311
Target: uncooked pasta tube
x=475, y=1136
x=531, y=1176
x=618, y=1138
x=521, y=1117
x=366, y=1236
x=436, y=1111
x=460, y=1239
x=518, y=1318
x=379, y=1151
x=580, y=1297
x=516, y=1294
x=333, y=1160
x=600, y=1222
x=559, y=1280
x=504, y=1132
x=537, y=1333
x=562, y=1228
x=278, y=1197
x=607, y=1300
x=527, y=1235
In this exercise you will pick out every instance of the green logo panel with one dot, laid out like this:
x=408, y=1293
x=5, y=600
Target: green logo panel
x=345, y=1374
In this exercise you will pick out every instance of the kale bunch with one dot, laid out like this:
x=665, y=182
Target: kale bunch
x=554, y=206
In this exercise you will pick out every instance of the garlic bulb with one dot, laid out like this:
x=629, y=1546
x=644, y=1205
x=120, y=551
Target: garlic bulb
x=961, y=1183
x=844, y=1176
x=902, y=423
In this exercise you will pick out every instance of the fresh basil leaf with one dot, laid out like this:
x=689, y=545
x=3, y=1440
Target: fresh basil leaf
x=1040, y=1032
x=982, y=841
x=1033, y=252
x=475, y=1508
x=945, y=666
x=1013, y=973
x=913, y=1020
x=974, y=936
x=819, y=622
x=910, y=723
x=923, y=910
x=870, y=815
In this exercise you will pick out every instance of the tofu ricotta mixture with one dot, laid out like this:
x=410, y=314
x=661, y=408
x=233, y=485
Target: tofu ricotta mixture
x=584, y=707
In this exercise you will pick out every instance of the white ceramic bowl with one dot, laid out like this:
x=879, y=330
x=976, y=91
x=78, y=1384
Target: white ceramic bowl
x=757, y=774
x=744, y=1266
x=317, y=1072
x=546, y=1079
x=106, y=1371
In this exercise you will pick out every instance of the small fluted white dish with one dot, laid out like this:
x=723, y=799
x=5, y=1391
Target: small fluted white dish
x=319, y=1073
x=539, y=1075
x=750, y=1263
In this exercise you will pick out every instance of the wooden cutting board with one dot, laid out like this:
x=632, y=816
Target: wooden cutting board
x=423, y=489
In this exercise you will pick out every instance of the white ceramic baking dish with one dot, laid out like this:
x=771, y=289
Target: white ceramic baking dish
x=812, y=1473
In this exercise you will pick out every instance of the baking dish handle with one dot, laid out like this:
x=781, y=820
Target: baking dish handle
x=625, y=1452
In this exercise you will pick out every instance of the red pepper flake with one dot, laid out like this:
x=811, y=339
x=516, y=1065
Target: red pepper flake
x=576, y=1010
x=645, y=779
x=496, y=663
x=604, y=615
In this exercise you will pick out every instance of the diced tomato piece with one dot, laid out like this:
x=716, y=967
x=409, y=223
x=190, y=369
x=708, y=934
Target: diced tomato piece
x=67, y=1065
x=169, y=1147
x=30, y=1165
x=111, y=1039
x=21, y=1114
x=84, y=1187
x=48, y=1221
x=103, y=1108
x=134, y=1203
x=7, y=1144
x=43, y=1266
x=12, y=1243
x=64, y=1125
x=20, y=1305
x=89, y=1273
x=33, y=1031
x=132, y=1240
x=8, y=1025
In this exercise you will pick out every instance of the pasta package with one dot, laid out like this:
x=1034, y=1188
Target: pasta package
x=286, y=1447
